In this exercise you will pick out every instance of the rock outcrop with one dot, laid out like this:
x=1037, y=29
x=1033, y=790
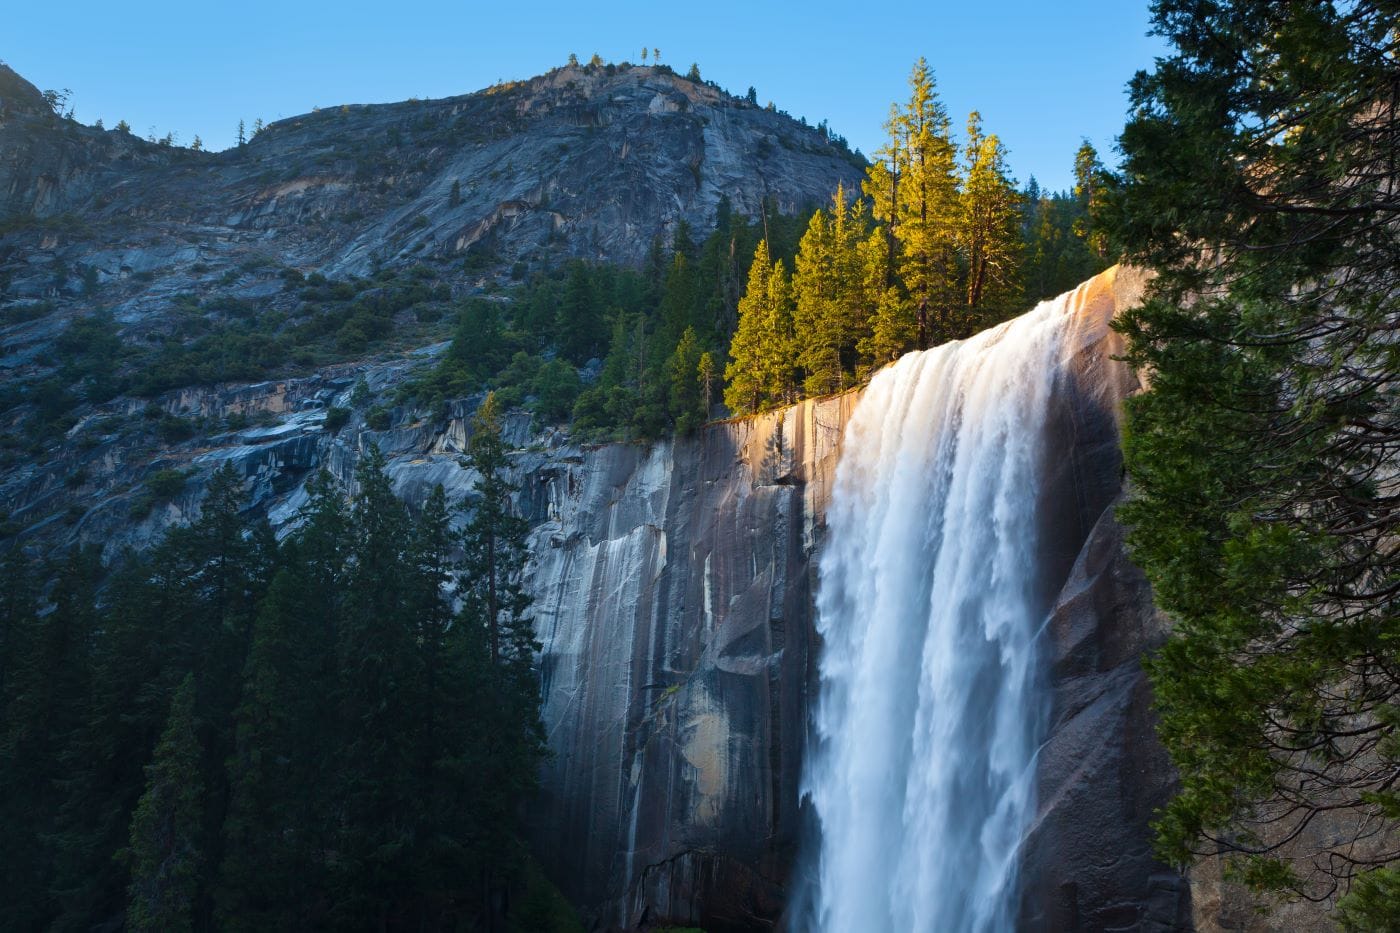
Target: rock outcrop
x=260, y=260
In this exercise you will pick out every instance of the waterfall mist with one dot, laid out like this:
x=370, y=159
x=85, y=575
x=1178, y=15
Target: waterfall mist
x=931, y=708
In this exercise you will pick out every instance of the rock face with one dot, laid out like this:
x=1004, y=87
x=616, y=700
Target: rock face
x=673, y=596
x=1101, y=772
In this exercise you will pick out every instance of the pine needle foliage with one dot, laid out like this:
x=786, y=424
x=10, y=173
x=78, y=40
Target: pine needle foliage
x=1260, y=184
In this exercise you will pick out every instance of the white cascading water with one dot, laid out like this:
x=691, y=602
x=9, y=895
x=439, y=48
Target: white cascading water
x=931, y=707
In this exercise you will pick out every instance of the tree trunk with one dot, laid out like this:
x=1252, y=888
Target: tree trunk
x=491, y=613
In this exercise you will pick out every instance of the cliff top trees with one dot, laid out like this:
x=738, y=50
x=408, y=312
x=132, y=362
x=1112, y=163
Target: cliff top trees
x=831, y=315
x=1091, y=184
x=683, y=369
x=1260, y=182
x=936, y=249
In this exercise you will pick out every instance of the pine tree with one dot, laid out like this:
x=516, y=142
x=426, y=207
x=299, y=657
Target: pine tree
x=25, y=774
x=229, y=564
x=136, y=663
x=166, y=829
x=504, y=758
x=48, y=703
x=1055, y=257
x=989, y=231
x=720, y=273
x=916, y=195
x=380, y=699
x=831, y=314
x=579, y=322
x=1090, y=191
x=271, y=870
x=457, y=756
x=893, y=328
x=762, y=353
x=705, y=371
x=686, y=404
x=495, y=543
x=1259, y=185
x=433, y=569
x=678, y=298
x=817, y=314
x=322, y=546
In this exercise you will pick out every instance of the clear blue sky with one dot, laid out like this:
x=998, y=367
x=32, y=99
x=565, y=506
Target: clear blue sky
x=1043, y=74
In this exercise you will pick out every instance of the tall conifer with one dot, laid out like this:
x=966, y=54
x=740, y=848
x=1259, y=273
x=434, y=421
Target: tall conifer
x=380, y=680
x=166, y=830
x=989, y=231
x=762, y=355
x=923, y=204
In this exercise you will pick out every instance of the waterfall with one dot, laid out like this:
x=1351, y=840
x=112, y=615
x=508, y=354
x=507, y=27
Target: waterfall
x=922, y=772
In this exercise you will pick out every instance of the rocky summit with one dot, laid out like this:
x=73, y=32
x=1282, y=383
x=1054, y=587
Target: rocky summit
x=591, y=162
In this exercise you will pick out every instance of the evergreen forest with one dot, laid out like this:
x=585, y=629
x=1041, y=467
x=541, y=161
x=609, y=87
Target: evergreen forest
x=335, y=730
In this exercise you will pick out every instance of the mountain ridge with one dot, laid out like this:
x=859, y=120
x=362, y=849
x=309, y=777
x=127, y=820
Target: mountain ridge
x=584, y=161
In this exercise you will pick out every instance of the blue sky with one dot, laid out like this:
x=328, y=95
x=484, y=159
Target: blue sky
x=1042, y=74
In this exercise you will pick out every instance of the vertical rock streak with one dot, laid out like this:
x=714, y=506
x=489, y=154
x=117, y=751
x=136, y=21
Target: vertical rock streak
x=930, y=608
